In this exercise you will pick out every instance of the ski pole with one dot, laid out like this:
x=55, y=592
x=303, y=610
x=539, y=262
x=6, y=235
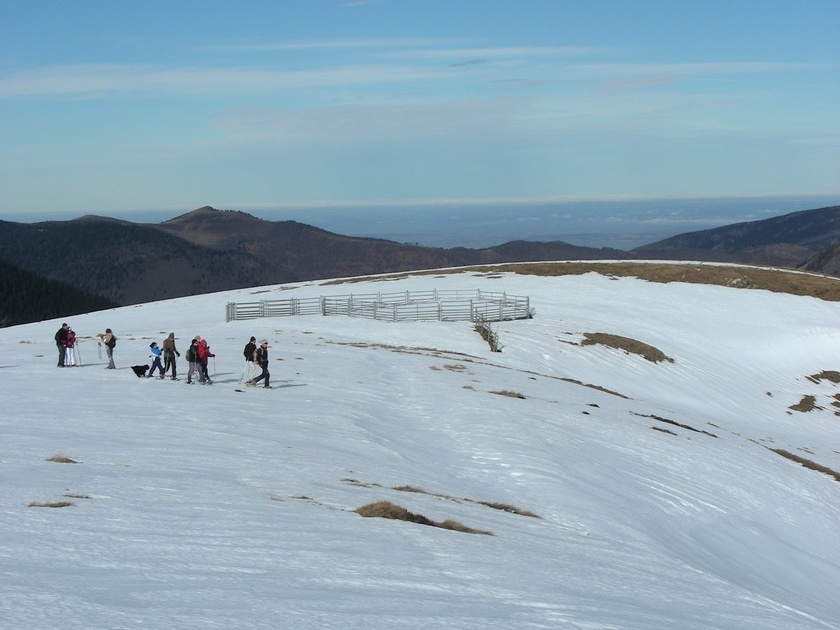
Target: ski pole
x=79, y=354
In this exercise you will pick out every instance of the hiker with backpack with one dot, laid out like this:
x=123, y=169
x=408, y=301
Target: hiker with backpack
x=261, y=359
x=110, y=342
x=169, y=354
x=204, y=355
x=192, y=360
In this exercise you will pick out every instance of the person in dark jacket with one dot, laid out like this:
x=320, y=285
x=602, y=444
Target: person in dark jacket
x=192, y=360
x=169, y=354
x=249, y=350
x=261, y=359
x=61, y=343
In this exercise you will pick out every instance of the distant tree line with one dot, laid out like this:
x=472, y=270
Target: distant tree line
x=27, y=297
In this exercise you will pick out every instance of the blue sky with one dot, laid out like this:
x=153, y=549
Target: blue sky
x=108, y=107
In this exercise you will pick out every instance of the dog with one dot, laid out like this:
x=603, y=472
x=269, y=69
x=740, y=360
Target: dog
x=140, y=370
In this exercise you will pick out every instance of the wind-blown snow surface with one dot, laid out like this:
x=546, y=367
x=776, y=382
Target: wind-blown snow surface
x=223, y=506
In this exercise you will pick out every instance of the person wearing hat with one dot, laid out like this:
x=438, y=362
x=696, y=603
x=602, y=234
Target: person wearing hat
x=169, y=354
x=250, y=368
x=156, y=364
x=192, y=360
x=261, y=358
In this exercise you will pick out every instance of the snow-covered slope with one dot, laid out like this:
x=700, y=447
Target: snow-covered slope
x=658, y=500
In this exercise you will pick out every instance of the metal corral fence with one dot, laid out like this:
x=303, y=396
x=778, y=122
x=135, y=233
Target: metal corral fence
x=437, y=305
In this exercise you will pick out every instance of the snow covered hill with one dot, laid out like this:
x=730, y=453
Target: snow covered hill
x=607, y=490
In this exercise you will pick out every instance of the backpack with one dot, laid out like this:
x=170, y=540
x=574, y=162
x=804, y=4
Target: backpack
x=112, y=342
x=249, y=351
x=191, y=354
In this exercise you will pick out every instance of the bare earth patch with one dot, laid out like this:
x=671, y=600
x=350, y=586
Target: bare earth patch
x=808, y=403
x=631, y=346
x=386, y=509
x=61, y=459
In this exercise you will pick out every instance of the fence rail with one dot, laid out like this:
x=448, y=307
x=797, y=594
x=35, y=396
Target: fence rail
x=446, y=305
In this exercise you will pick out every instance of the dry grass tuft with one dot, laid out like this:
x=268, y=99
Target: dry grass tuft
x=61, y=459
x=51, y=504
x=386, y=509
x=628, y=345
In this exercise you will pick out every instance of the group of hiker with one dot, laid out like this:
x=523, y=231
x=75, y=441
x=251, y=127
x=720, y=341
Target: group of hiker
x=164, y=357
x=198, y=356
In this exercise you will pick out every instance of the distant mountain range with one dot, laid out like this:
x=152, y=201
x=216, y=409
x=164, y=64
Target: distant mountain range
x=209, y=250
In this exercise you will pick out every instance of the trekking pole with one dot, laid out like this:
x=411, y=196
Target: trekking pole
x=78, y=354
x=100, y=350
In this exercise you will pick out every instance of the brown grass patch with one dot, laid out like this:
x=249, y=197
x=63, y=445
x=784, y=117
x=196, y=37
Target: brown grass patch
x=506, y=507
x=61, y=459
x=832, y=376
x=631, y=346
x=674, y=423
x=807, y=463
x=808, y=403
x=509, y=394
x=734, y=276
x=386, y=509
x=51, y=504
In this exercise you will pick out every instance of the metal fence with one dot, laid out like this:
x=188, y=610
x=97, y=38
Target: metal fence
x=447, y=305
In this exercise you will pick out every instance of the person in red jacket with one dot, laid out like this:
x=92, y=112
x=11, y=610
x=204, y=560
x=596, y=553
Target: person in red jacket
x=203, y=355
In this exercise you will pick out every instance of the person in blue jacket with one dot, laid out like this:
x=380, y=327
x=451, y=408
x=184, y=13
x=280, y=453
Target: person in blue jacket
x=156, y=364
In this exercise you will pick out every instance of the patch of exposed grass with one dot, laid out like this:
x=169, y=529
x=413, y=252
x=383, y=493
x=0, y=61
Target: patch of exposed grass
x=832, y=376
x=506, y=507
x=386, y=509
x=734, y=276
x=632, y=346
x=51, y=504
x=508, y=393
x=808, y=403
x=674, y=423
x=807, y=463
x=61, y=459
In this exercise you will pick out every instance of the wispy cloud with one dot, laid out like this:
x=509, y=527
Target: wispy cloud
x=98, y=80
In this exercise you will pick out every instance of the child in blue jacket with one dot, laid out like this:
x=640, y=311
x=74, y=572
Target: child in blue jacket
x=155, y=350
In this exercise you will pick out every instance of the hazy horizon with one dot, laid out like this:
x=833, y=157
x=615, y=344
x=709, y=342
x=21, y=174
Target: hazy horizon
x=619, y=224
